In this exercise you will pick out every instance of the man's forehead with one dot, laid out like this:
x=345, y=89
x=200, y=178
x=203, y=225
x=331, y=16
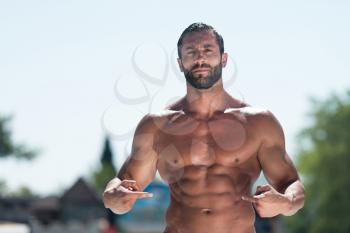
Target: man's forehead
x=199, y=37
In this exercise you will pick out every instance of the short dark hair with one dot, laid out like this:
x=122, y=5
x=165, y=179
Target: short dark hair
x=199, y=27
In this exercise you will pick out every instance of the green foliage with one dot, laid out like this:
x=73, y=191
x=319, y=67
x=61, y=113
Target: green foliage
x=3, y=187
x=106, y=170
x=102, y=175
x=24, y=191
x=7, y=146
x=8, y=149
x=324, y=162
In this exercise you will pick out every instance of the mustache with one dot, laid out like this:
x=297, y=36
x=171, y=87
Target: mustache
x=204, y=65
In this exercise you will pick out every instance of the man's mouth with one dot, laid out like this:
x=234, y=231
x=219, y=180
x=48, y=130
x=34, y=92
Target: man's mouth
x=200, y=70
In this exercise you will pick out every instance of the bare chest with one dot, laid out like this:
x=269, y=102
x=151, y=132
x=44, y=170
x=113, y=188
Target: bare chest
x=225, y=140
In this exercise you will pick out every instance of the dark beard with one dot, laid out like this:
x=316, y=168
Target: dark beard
x=201, y=81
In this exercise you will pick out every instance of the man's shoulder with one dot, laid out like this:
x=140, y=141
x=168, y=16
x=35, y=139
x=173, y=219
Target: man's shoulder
x=156, y=120
x=263, y=121
x=262, y=115
x=161, y=117
x=258, y=117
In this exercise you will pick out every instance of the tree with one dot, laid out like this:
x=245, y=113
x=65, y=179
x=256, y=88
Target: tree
x=3, y=187
x=102, y=175
x=106, y=170
x=324, y=162
x=8, y=148
x=23, y=191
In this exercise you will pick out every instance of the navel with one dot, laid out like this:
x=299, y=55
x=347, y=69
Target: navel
x=206, y=211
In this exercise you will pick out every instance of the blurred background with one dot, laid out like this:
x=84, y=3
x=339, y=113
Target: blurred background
x=77, y=76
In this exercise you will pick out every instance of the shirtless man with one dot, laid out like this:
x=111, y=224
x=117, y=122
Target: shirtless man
x=210, y=148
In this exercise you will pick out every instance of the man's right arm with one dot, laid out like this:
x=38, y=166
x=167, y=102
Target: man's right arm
x=137, y=171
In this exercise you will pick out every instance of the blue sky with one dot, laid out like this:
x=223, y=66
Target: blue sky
x=64, y=66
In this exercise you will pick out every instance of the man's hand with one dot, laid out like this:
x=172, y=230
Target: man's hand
x=121, y=196
x=268, y=202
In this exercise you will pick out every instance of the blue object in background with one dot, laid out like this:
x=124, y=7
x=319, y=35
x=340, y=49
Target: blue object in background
x=147, y=215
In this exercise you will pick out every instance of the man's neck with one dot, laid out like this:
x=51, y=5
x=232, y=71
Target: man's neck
x=205, y=102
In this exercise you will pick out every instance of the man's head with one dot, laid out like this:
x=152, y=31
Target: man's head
x=200, y=27
x=201, y=55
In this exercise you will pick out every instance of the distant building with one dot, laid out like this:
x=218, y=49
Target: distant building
x=15, y=209
x=78, y=210
x=80, y=203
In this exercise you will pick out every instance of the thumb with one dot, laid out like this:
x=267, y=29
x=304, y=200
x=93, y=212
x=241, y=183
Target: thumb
x=262, y=188
x=260, y=196
x=250, y=199
x=130, y=184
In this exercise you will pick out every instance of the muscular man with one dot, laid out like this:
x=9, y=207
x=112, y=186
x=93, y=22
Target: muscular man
x=210, y=148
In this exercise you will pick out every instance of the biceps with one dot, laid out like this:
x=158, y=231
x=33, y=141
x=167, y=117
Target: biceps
x=277, y=166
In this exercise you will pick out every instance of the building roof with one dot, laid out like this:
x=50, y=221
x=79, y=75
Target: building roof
x=80, y=192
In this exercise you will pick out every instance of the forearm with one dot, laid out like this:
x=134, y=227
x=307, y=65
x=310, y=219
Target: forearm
x=295, y=193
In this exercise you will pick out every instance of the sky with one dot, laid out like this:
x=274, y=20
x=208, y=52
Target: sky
x=72, y=72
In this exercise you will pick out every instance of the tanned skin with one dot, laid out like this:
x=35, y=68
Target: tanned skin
x=210, y=148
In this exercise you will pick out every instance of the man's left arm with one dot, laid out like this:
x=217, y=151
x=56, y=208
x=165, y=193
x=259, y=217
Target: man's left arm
x=285, y=193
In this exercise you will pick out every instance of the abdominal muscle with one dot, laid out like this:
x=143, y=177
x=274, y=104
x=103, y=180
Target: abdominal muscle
x=210, y=203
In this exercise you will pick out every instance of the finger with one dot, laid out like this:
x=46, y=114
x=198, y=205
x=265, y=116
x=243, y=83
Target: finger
x=140, y=194
x=262, y=188
x=249, y=199
x=259, y=197
x=128, y=181
x=137, y=193
x=146, y=196
x=265, y=187
x=130, y=184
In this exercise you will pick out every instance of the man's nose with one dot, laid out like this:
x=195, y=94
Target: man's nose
x=200, y=58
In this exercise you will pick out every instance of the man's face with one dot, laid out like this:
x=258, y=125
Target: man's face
x=201, y=60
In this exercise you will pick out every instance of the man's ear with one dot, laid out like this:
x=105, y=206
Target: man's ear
x=180, y=64
x=224, y=59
